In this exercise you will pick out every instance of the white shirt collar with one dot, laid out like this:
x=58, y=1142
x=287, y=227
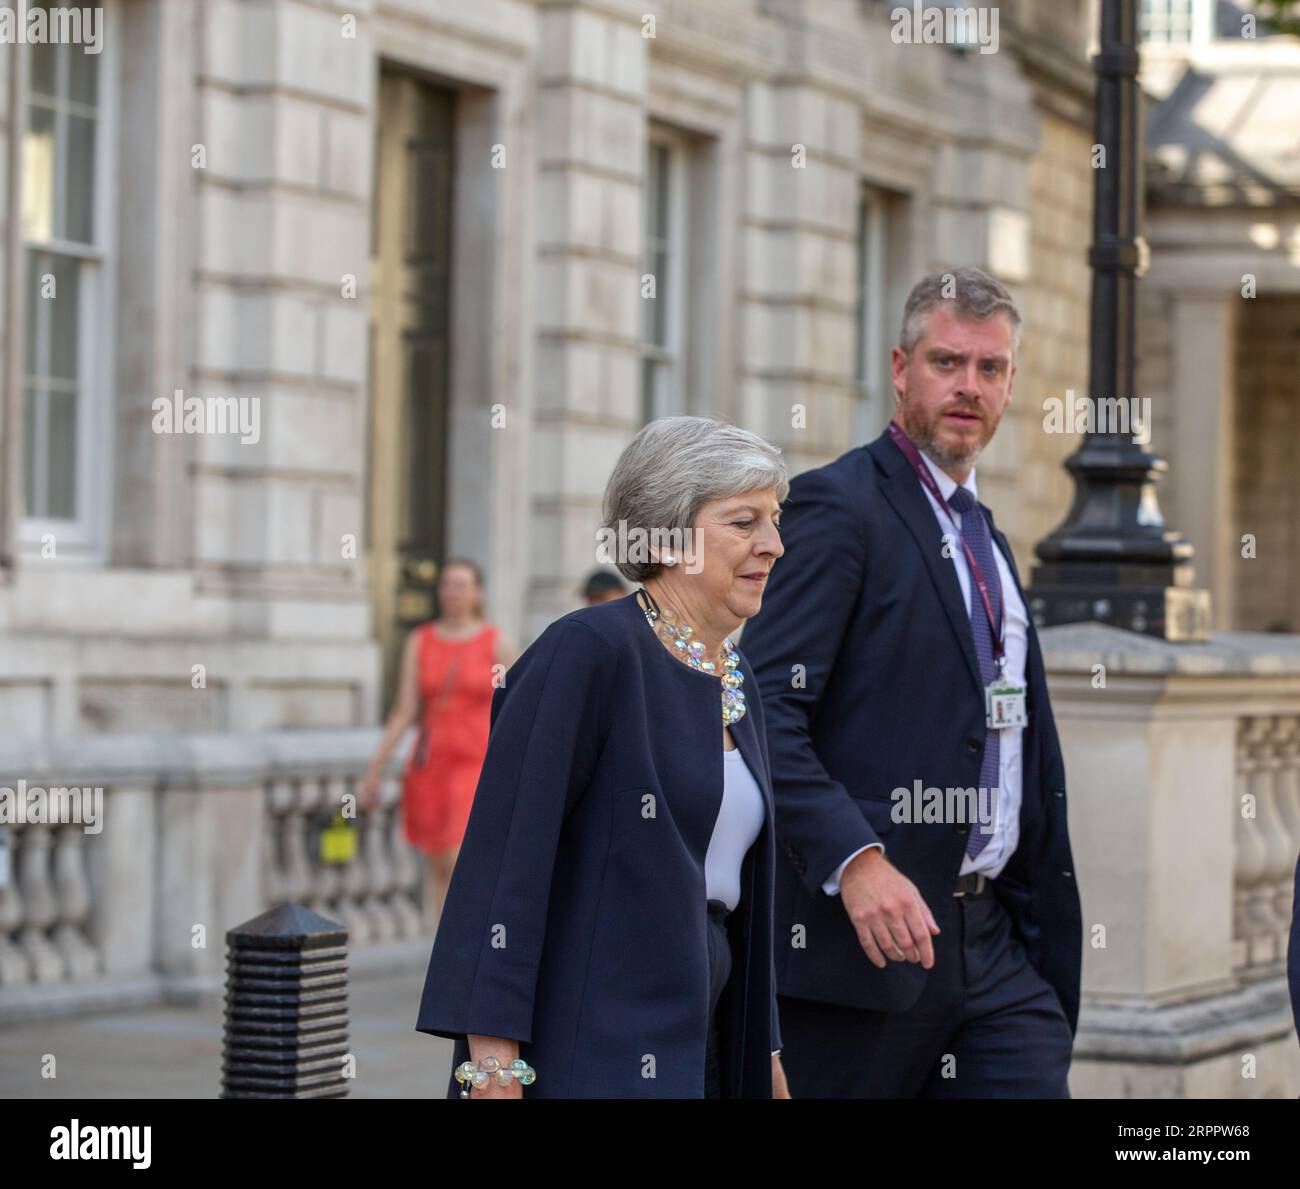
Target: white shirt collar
x=947, y=484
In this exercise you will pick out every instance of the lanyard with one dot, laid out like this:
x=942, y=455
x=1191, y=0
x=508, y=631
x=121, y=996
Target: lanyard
x=913, y=455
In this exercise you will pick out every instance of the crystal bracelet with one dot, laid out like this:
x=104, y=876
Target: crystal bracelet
x=490, y=1070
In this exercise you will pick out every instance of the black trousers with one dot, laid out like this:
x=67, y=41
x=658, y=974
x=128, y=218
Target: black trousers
x=719, y=972
x=987, y=1025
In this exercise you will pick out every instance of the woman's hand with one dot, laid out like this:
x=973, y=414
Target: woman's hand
x=504, y=1051
x=405, y=713
x=779, y=1088
x=369, y=792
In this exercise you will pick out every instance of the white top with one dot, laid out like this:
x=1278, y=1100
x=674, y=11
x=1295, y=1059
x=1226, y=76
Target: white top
x=1006, y=831
x=739, y=821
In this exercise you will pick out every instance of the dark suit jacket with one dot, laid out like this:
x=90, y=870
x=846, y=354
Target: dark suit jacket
x=576, y=918
x=889, y=691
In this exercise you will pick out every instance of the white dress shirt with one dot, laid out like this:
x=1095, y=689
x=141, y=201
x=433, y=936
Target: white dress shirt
x=739, y=820
x=1006, y=833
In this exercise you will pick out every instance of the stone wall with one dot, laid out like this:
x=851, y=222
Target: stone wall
x=223, y=597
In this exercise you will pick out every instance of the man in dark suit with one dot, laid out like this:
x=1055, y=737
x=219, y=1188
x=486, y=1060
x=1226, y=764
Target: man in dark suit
x=928, y=929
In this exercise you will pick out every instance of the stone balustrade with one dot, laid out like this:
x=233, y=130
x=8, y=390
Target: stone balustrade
x=197, y=833
x=1267, y=842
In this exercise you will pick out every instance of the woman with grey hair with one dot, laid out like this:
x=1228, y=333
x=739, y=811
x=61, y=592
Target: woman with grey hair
x=608, y=929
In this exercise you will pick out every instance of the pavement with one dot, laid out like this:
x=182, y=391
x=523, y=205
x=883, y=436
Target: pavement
x=175, y=1052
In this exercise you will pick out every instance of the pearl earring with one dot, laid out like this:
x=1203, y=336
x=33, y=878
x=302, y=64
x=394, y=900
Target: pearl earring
x=668, y=559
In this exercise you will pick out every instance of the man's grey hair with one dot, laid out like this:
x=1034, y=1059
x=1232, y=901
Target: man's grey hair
x=676, y=465
x=971, y=293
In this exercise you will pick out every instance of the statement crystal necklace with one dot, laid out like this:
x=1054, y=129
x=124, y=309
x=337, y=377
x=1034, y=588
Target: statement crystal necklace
x=673, y=628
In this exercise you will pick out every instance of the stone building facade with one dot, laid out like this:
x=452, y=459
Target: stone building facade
x=412, y=234
x=301, y=297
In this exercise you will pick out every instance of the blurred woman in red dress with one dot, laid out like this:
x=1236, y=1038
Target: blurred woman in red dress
x=445, y=687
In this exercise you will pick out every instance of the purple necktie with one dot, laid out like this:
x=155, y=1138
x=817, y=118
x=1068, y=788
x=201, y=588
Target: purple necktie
x=975, y=530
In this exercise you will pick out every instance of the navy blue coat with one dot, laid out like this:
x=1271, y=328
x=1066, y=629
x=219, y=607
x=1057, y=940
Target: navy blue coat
x=576, y=918
x=866, y=601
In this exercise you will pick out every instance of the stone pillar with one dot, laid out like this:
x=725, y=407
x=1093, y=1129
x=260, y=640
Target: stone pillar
x=492, y=367
x=155, y=176
x=1202, y=388
x=800, y=213
x=591, y=159
x=285, y=102
x=1184, y=994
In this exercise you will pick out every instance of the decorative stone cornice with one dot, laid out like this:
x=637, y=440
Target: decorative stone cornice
x=1076, y=647
x=1236, y=1020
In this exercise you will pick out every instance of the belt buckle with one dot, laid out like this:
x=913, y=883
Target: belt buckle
x=980, y=883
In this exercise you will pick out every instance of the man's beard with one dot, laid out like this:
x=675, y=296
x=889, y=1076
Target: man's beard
x=926, y=438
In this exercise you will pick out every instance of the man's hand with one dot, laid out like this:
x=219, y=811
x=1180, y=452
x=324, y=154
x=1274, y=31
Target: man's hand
x=892, y=920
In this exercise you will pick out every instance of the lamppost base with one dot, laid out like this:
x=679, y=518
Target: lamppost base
x=1179, y=614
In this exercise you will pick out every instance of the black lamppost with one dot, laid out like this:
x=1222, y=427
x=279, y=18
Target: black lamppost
x=1113, y=560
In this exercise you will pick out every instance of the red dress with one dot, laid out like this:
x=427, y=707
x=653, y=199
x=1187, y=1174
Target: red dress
x=456, y=693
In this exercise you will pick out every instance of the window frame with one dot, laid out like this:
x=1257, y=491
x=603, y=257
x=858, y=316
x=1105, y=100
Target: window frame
x=1199, y=24
x=672, y=354
x=83, y=538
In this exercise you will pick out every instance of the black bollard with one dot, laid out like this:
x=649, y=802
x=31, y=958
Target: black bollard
x=286, y=1006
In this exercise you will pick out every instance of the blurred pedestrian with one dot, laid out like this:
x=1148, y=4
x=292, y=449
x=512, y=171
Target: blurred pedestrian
x=603, y=587
x=447, y=679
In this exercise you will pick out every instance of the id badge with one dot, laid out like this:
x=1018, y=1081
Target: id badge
x=1005, y=704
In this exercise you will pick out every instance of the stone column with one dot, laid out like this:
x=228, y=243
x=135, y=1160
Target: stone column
x=285, y=102
x=590, y=159
x=1202, y=388
x=155, y=174
x=798, y=239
